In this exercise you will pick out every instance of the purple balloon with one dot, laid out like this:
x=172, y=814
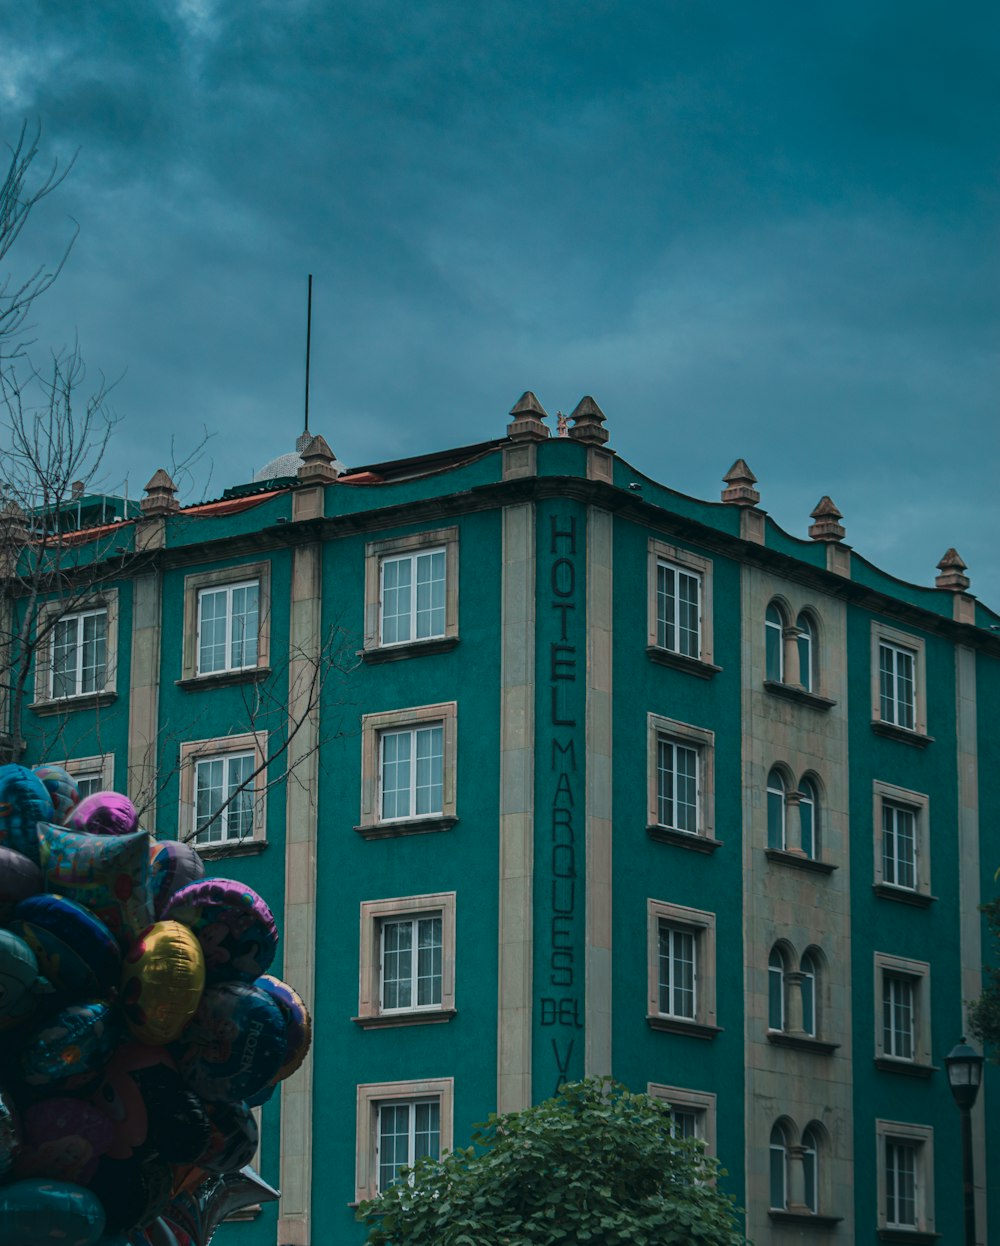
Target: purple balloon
x=20, y=877
x=232, y=923
x=104, y=813
x=24, y=802
x=173, y=865
x=63, y=1139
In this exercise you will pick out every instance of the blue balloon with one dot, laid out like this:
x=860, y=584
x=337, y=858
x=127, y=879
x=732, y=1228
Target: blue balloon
x=18, y=977
x=71, y=1048
x=234, y=1045
x=76, y=951
x=24, y=802
x=36, y=1211
x=62, y=787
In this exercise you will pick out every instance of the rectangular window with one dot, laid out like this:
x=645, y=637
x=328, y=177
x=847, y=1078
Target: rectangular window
x=92, y=774
x=899, y=846
x=905, y=1177
x=411, y=766
x=413, y=597
x=406, y=1132
x=411, y=963
x=397, y=1124
x=677, y=786
x=79, y=661
x=681, y=969
x=228, y=627
x=677, y=977
x=224, y=797
x=900, y=1185
x=897, y=685
x=678, y=610
x=897, y=1017
x=692, y=1112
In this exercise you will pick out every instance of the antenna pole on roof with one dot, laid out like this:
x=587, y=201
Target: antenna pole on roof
x=309, y=317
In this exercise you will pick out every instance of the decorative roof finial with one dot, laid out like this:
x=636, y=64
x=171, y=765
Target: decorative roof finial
x=827, y=526
x=319, y=463
x=952, y=570
x=527, y=424
x=740, y=481
x=588, y=423
x=159, y=499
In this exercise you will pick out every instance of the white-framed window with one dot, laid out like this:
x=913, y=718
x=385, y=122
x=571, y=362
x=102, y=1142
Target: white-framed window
x=407, y=973
x=227, y=630
x=680, y=602
x=793, y=814
x=776, y=969
x=806, y=642
x=811, y=1151
x=222, y=791
x=92, y=774
x=397, y=1124
x=774, y=643
x=902, y=1028
x=905, y=1176
x=809, y=968
x=809, y=816
x=902, y=842
x=793, y=995
x=408, y=763
x=411, y=772
x=778, y=1167
x=228, y=627
x=411, y=590
x=681, y=776
x=776, y=793
x=77, y=652
x=899, y=680
x=681, y=968
x=692, y=1112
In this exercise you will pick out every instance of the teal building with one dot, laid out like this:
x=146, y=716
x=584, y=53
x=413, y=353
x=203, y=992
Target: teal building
x=549, y=770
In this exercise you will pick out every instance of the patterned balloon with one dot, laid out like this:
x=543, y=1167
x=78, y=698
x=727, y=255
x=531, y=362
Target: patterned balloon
x=108, y=874
x=76, y=952
x=10, y=1133
x=24, y=803
x=63, y=1139
x=18, y=976
x=233, y=1140
x=104, y=813
x=235, y=1044
x=20, y=877
x=69, y=1049
x=298, y=1023
x=62, y=788
x=36, y=1211
x=173, y=865
x=162, y=981
x=234, y=926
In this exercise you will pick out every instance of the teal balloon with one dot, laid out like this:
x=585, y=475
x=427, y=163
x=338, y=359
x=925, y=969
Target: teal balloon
x=61, y=787
x=36, y=1211
x=18, y=975
x=24, y=802
x=71, y=1048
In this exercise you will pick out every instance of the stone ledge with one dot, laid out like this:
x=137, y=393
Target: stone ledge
x=678, y=1025
x=411, y=649
x=67, y=705
x=222, y=679
x=681, y=662
x=903, y=895
x=802, y=1042
x=682, y=839
x=238, y=848
x=908, y=1068
x=405, y=826
x=392, y=1020
x=793, y=692
x=800, y=863
x=918, y=1237
x=916, y=739
x=807, y=1219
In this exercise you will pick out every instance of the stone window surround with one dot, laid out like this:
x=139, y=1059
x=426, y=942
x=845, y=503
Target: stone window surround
x=702, y=739
x=903, y=640
x=919, y=972
x=242, y=573
x=796, y=1210
x=415, y=542
x=919, y=804
x=370, y=1095
x=192, y=751
x=372, y=726
x=48, y=613
x=102, y=764
x=701, y=924
x=922, y=1138
x=700, y=1102
x=794, y=792
x=661, y=552
x=373, y=913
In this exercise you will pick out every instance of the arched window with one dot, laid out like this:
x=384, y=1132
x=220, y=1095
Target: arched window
x=810, y=1166
x=807, y=651
x=775, y=810
x=809, y=817
x=779, y=1167
x=809, y=967
x=774, y=644
x=776, y=990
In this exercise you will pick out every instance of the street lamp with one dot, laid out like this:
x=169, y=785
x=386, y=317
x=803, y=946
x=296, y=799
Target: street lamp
x=965, y=1072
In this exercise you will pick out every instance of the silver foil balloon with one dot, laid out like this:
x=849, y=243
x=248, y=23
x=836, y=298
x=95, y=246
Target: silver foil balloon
x=10, y=1134
x=200, y=1213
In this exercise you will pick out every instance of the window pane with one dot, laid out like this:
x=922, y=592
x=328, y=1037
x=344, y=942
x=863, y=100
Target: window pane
x=243, y=649
x=773, y=645
x=94, y=652
x=809, y=1166
x=775, y=810
x=393, y=1142
x=900, y=1185
x=397, y=964
x=775, y=991
x=688, y=611
x=396, y=600
x=208, y=799
x=427, y=1130
x=64, y=657
x=238, y=816
x=430, y=594
x=396, y=747
x=807, y=817
x=429, y=954
x=677, y=972
x=666, y=622
x=808, y=967
x=429, y=770
x=777, y=1153
x=685, y=1123
x=213, y=622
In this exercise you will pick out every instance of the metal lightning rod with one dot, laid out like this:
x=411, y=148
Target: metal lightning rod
x=309, y=316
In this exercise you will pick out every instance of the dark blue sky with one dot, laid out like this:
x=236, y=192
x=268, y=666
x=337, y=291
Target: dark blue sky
x=758, y=231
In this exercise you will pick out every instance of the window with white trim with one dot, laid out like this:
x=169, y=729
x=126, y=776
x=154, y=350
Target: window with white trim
x=681, y=969
x=807, y=651
x=407, y=971
x=680, y=606
x=408, y=778
x=222, y=792
x=411, y=592
x=774, y=643
x=811, y=1151
x=692, y=1112
x=677, y=785
x=776, y=969
x=905, y=1176
x=902, y=1030
x=77, y=650
x=92, y=774
x=681, y=777
x=228, y=627
x=899, y=680
x=776, y=792
x=902, y=843
x=778, y=1168
x=226, y=623
x=397, y=1124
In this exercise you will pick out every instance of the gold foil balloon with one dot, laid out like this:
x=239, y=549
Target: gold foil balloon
x=162, y=981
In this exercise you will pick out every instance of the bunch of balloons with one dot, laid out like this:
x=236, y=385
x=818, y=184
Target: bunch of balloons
x=138, y=1025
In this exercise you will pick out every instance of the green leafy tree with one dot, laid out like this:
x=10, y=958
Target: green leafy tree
x=984, y=1013
x=596, y=1164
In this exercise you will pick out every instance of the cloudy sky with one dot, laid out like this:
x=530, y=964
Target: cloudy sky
x=767, y=231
